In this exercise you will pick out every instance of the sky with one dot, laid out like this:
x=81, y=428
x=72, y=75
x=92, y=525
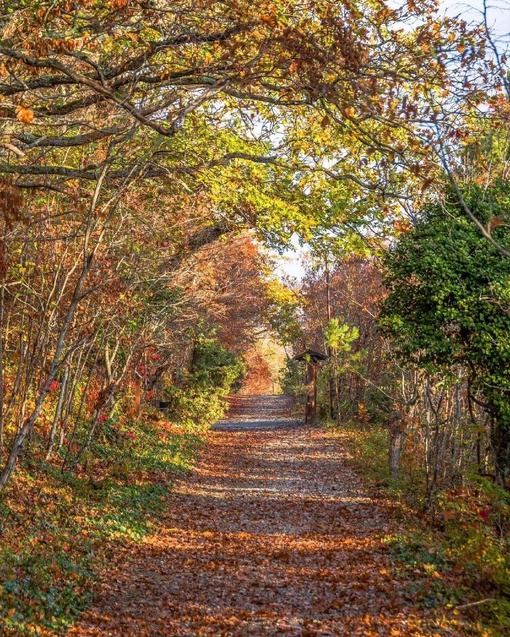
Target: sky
x=498, y=13
x=290, y=263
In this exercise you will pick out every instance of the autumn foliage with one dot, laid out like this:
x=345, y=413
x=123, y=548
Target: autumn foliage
x=151, y=152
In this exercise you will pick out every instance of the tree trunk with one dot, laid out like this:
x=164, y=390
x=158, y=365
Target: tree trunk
x=397, y=436
x=58, y=360
x=138, y=397
x=397, y=439
x=2, y=412
x=500, y=439
x=58, y=411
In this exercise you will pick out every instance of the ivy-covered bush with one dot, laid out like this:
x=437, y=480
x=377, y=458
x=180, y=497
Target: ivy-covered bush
x=449, y=303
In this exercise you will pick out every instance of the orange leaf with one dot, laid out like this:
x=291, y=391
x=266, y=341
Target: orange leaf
x=426, y=184
x=25, y=115
x=268, y=19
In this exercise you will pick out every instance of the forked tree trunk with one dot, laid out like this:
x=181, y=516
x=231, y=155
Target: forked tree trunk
x=58, y=412
x=397, y=436
x=397, y=440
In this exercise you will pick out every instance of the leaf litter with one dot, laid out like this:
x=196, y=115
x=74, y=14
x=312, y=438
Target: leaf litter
x=272, y=534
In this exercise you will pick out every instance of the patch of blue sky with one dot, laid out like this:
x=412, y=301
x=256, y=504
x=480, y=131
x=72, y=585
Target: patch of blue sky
x=496, y=15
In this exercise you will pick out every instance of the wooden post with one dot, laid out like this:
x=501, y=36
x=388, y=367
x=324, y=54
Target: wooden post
x=311, y=401
x=311, y=358
x=332, y=380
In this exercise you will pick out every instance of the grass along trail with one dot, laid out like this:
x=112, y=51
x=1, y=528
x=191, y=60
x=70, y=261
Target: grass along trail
x=273, y=534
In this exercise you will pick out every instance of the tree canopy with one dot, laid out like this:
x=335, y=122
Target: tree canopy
x=293, y=115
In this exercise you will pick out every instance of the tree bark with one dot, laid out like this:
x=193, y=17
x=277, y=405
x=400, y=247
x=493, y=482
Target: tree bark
x=397, y=436
x=500, y=439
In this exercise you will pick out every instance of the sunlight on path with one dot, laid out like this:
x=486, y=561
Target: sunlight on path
x=258, y=412
x=272, y=535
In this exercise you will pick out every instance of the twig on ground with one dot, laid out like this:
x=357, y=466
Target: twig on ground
x=481, y=601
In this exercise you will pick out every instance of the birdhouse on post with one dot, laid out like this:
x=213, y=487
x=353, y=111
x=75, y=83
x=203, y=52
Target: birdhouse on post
x=311, y=358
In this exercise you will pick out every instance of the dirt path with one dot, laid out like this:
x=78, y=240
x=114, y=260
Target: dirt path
x=258, y=412
x=272, y=535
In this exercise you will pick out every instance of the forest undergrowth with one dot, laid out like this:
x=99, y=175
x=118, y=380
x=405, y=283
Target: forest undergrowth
x=59, y=530
x=457, y=550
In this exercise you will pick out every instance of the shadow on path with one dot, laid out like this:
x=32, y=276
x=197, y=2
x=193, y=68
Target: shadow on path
x=272, y=535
